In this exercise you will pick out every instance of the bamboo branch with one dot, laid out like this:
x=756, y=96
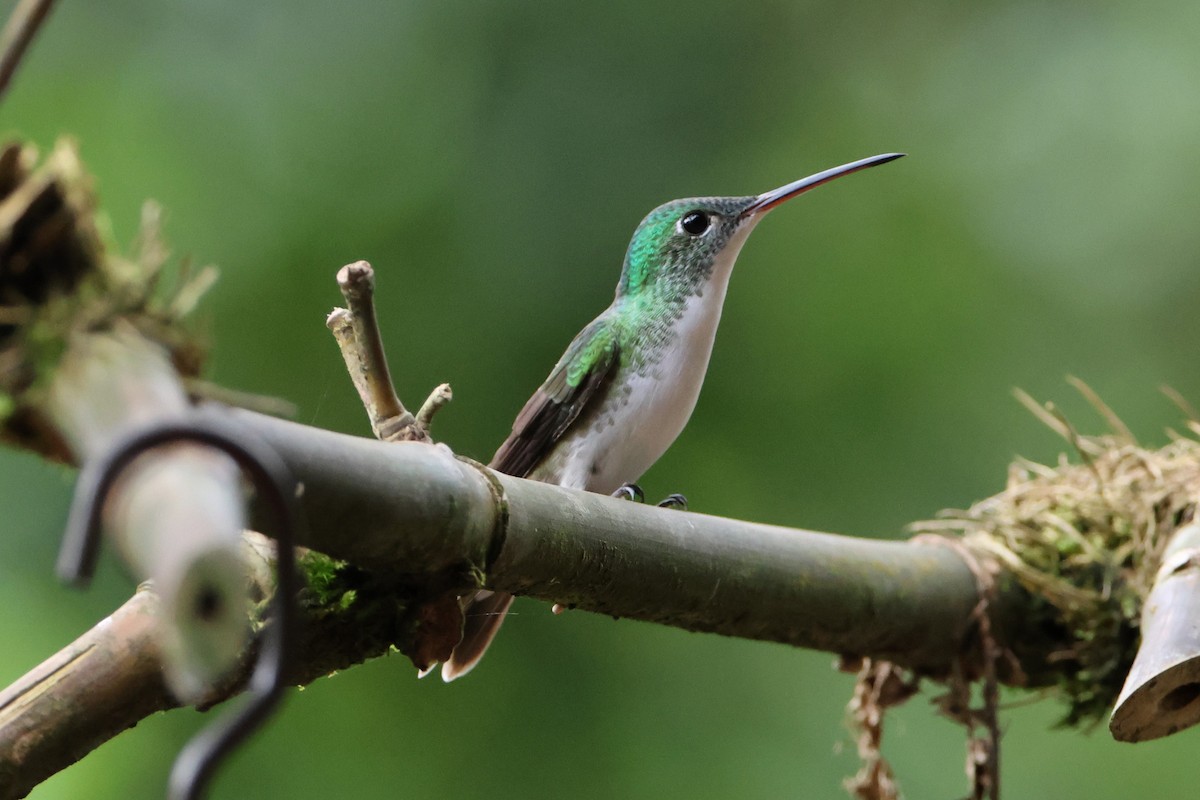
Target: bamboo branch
x=111, y=677
x=908, y=602
x=406, y=507
x=91, y=690
x=1162, y=693
x=176, y=514
x=426, y=522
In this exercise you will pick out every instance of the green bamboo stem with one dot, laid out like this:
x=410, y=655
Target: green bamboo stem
x=415, y=508
x=416, y=512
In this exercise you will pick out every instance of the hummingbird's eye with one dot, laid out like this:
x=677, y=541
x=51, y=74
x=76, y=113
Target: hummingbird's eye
x=694, y=222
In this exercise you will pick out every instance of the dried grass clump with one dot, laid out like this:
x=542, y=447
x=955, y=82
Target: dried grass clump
x=1084, y=540
x=59, y=277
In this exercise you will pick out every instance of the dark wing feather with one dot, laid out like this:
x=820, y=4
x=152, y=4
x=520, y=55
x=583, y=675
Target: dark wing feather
x=482, y=618
x=589, y=362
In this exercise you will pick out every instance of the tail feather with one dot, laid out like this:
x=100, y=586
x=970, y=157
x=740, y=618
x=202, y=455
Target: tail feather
x=484, y=615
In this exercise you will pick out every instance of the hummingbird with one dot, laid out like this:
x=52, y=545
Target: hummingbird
x=628, y=382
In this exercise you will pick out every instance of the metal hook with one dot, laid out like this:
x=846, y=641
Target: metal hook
x=199, y=759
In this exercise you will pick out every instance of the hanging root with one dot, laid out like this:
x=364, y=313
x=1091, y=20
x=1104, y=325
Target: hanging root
x=879, y=686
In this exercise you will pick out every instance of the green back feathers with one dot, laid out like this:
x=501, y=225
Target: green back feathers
x=589, y=351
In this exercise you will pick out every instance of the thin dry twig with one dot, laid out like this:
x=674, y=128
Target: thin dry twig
x=1115, y=423
x=356, y=331
x=1180, y=402
x=438, y=398
x=1047, y=418
x=22, y=26
x=390, y=420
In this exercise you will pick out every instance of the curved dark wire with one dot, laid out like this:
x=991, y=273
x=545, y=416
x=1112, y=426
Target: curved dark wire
x=199, y=759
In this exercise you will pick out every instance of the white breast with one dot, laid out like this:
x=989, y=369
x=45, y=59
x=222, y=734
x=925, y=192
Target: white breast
x=647, y=419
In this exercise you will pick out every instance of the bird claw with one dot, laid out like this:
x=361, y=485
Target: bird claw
x=630, y=491
x=674, y=500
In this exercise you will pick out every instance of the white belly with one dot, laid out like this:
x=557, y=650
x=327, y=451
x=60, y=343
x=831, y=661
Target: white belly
x=635, y=426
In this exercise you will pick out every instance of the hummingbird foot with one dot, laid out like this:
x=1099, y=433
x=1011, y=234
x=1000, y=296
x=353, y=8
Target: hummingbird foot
x=674, y=500
x=630, y=491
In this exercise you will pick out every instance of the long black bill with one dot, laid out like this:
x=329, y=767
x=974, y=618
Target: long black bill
x=769, y=200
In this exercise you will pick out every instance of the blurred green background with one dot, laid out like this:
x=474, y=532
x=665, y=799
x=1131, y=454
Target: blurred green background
x=491, y=160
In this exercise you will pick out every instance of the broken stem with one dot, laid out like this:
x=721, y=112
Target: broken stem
x=437, y=398
x=1162, y=692
x=357, y=334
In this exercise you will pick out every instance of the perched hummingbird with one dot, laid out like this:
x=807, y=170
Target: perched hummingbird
x=628, y=382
